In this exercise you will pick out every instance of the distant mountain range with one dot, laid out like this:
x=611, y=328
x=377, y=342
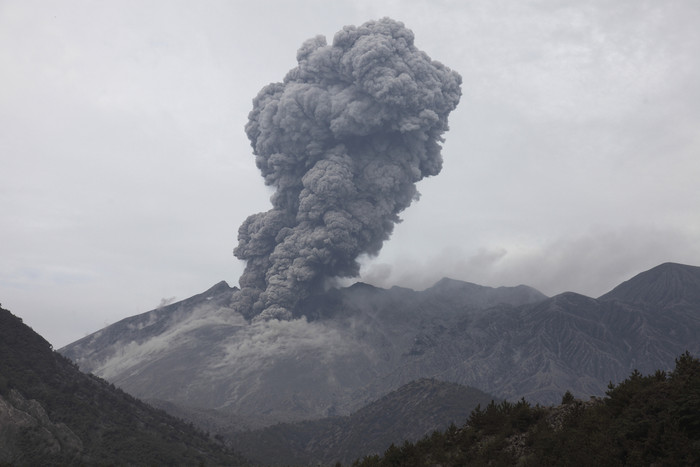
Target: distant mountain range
x=359, y=343
x=52, y=414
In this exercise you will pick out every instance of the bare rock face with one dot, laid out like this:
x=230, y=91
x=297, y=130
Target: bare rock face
x=354, y=345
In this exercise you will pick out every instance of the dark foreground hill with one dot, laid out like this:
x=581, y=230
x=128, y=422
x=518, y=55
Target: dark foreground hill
x=644, y=420
x=356, y=344
x=52, y=414
x=410, y=412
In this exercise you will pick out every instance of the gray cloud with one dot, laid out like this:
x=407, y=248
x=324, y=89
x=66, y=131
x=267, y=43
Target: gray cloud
x=343, y=139
x=595, y=261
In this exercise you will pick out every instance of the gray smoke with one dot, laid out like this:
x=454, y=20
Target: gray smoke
x=343, y=139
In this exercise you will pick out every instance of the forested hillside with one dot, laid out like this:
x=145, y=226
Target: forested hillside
x=52, y=414
x=644, y=420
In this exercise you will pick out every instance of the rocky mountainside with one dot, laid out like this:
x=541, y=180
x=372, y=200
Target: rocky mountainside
x=409, y=413
x=53, y=414
x=357, y=344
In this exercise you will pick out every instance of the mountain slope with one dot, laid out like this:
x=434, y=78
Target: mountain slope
x=51, y=413
x=361, y=342
x=411, y=412
x=359, y=345
x=665, y=285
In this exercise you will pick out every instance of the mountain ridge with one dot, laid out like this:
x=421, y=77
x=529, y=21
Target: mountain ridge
x=663, y=285
x=361, y=342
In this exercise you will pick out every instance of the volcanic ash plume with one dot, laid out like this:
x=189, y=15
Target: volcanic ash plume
x=343, y=139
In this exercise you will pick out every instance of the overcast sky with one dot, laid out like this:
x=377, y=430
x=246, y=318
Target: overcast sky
x=572, y=162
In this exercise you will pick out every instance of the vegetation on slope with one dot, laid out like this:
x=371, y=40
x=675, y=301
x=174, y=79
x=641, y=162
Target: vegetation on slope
x=68, y=417
x=644, y=420
x=409, y=412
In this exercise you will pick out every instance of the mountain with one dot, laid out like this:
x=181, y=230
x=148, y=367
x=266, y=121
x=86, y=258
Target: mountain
x=358, y=343
x=408, y=413
x=53, y=414
x=664, y=286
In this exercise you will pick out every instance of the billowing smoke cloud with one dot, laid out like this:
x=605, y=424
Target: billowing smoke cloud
x=343, y=139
